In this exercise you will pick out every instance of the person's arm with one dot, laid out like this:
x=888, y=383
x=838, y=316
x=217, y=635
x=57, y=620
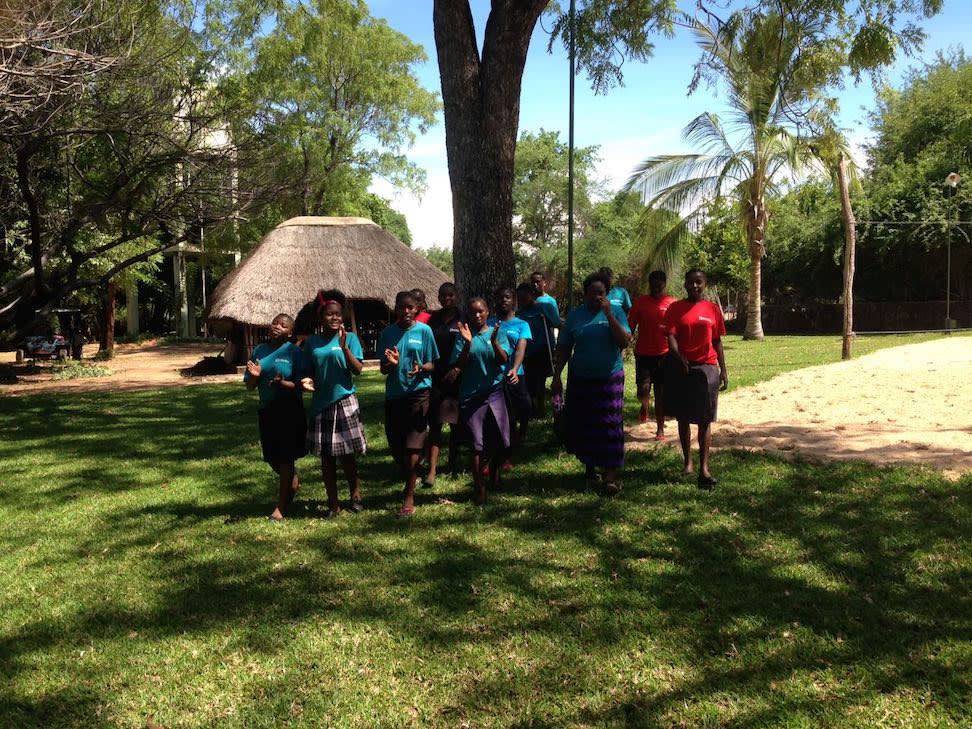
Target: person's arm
x=462, y=358
x=620, y=334
x=354, y=364
x=253, y=371
x=673, y=348
x=723, y=372
x=561, y=357
x=502, y=356
x=518, y=354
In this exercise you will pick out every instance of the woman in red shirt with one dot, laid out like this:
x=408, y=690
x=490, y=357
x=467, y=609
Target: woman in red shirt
x=647, y=317
x=695, y=328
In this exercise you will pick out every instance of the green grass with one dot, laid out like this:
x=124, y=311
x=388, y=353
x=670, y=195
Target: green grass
x=79, y=370
x=139, y=578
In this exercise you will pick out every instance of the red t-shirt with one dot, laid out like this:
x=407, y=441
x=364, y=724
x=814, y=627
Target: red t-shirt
x=695, y=325
x=648, y=314
x=423, y=317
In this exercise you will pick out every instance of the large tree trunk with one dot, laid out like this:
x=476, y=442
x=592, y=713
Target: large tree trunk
x=24, y=153
x=756, y=220
x=481, y=101
x=850, y=246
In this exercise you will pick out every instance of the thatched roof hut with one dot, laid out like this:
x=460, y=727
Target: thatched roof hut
x=305, y=254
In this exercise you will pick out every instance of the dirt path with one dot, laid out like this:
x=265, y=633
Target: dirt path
x=910, y=404
x=134, y=367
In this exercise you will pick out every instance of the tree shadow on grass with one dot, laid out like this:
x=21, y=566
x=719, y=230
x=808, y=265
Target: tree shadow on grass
x=787, y=578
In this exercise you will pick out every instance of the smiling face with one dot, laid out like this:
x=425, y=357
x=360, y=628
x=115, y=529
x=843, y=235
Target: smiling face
x=695, y=285
x=332, y=316
x=281, y=328
x=477, y=314
x=594, y=294
x=447, y=297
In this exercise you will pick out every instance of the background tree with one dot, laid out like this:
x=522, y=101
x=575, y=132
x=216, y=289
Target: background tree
x=481, y=100
x=334, y=90
x=540, y=192
x=133, y=154
x=759, y=62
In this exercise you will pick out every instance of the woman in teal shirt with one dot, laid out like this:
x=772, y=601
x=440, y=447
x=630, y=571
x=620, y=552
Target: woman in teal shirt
x=591, y=340
x=274, y=369
x=407, y=355
x=518, y=335
x=479, y=362
x=332, y=360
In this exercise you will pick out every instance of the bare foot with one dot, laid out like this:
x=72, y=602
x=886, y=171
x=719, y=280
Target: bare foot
x=276, y=515
x=689, y=468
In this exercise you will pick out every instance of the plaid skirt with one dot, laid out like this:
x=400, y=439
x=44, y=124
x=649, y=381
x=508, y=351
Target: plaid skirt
x=337, y=430
x=595, y=422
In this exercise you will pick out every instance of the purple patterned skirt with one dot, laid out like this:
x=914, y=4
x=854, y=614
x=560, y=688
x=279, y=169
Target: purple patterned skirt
x=595, y=420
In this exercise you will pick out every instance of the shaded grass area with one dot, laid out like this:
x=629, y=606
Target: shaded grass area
x=140, y=579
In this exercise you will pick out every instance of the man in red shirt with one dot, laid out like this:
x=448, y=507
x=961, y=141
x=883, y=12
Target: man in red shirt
x=647, y=317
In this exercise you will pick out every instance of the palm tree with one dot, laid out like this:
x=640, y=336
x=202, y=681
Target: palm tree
x=770, y=98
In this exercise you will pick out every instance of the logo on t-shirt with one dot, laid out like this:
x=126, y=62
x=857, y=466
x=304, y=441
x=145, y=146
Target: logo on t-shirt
x=412, y=340
x=705, y=319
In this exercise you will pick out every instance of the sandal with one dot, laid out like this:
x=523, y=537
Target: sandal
x=611, y=489
x=406, y=512
x=706, y=482
x=661, y=437
x=428, y=483
x=357, y=506
x=331, y=513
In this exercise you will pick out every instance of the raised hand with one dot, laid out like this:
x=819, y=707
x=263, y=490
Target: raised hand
x=495, y=334
x=253, y=368
x=606, y=306
x=465, y=332
x=307, y=383
x=392, y=356
x=343, y=337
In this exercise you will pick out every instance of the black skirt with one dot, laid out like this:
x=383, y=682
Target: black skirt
x=283, y=430
x=691, y=397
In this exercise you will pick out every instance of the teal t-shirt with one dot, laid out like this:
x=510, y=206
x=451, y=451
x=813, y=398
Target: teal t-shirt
x=285, y=360
x=596, y=355
x=619, y=296
x=415, y=344
x=515, y=329
x=482, y=373
x=326, y=364
x=542, y=318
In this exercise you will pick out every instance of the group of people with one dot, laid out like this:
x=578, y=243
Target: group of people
x=482, y=370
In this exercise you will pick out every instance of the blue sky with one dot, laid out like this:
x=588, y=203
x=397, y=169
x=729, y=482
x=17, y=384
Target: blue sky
x=643, y=118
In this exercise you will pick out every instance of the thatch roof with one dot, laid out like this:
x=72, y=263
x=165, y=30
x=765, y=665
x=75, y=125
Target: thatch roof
x=303, y=255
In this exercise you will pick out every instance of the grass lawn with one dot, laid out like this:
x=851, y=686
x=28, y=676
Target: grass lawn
x=139, y=579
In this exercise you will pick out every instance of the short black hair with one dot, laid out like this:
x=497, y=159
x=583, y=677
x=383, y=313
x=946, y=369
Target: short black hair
x=325, y=295
x=418, y=294
x=402, y=296
x=538, y=273
x=657, y=276
x=284, y=317
x=606, y=270
x=530, y=288
x=594, y=277
x=473, y=299
x=447, y=286
x=693, y=271
x=502, y=290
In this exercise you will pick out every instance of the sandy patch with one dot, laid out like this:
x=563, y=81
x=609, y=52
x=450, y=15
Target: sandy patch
x=910, y=404
x=134, y=367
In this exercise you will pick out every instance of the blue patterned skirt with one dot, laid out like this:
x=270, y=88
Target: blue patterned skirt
x=595, y=420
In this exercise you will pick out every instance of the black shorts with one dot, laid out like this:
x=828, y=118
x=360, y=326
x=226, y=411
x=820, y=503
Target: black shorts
x=518, y=398
x=283, y=430
x=537, y=369
x=649, y=368
x=407, y=422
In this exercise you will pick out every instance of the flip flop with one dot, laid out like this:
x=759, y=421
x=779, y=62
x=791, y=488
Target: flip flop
x=357, y=506
x=331, y=513
x=707, y=482
x=428, y=483
x=406, y=512
x=611, y=489
x=661, y=437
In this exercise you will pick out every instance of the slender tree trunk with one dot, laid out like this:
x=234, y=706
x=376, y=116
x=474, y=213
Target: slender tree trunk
x=756, y=219
x=481, y=101
x=850, y=251
x=24, y=153
x=108, y=318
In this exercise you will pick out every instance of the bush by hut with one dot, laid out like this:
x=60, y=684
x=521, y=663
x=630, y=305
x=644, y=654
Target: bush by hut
x=303, y=255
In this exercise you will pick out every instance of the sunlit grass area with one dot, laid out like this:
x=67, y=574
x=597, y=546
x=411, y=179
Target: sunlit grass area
x=140, y=579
